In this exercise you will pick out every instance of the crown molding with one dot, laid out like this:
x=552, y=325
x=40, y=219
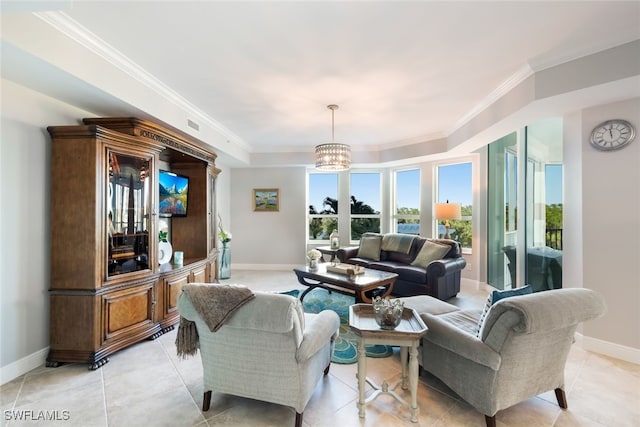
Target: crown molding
x=518, y=77
x=78, y=33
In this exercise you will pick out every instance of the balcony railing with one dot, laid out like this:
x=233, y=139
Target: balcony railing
x=553, y=238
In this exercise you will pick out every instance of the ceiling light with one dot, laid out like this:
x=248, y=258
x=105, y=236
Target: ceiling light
x=333, y=156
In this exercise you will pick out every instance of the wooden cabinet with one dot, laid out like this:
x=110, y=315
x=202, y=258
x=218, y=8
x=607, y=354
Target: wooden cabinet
x=107, y=289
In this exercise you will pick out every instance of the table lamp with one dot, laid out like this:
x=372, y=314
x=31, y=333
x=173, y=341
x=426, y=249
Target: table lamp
x=447, y=211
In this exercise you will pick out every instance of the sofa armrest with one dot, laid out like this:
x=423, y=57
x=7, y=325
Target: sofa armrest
x=457, y=341
x=318, y=331
x=344, y=254
x=445, y=266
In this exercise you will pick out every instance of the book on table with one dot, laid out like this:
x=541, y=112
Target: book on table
x=346, y=269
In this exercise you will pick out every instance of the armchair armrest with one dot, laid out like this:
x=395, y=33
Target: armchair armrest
x=445, y=266
x=318, y=330
x=457, y=341
x=344, y=254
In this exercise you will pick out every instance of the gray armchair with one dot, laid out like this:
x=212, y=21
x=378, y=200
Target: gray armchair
x=267, y=350
x=520, y=352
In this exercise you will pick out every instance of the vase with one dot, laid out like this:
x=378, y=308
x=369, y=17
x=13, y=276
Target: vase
x=225, y=261
x=313, y=264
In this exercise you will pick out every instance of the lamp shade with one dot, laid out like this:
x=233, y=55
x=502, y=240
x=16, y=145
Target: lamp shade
x=448, y=211
x=333, y=157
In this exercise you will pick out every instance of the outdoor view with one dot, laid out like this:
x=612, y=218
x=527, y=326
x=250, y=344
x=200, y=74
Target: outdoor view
x=365, y=202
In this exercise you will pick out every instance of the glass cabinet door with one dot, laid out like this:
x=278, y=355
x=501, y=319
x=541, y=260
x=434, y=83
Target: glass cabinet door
x=128, y=205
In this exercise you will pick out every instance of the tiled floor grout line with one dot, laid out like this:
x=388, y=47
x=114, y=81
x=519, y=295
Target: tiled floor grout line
x=104, y=399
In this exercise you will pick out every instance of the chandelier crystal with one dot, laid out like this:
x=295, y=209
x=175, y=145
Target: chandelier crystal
x=333, y=156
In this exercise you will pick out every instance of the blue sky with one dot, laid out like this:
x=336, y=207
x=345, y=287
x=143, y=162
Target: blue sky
x=553, y=184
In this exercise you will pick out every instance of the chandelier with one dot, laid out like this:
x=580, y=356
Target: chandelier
x=333, y=156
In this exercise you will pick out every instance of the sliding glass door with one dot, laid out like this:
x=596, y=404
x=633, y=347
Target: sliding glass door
x=502, y=212
x=544, y=202
x=526, y=247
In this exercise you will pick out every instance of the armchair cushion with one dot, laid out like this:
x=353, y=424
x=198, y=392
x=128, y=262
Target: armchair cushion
x=456, y=340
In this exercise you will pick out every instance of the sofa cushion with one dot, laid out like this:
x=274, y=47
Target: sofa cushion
x=496, y=296
x=370, y=247
x=396, y=242
x=430, y=251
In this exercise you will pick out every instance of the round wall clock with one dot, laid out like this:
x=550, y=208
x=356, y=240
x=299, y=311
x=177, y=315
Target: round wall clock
x=612, y=135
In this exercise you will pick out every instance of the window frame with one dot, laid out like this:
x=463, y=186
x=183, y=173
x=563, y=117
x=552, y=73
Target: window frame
x=395, y=216
x=380, y=196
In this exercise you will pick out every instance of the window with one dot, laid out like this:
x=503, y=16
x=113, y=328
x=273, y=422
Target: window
x=365, y=203
x=454, y=184
x=323, y=205
x=406, y=202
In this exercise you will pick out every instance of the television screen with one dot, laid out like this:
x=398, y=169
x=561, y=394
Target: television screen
x=174, y=190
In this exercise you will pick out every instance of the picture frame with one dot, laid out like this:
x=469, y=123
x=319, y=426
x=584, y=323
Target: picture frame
x=266, y=199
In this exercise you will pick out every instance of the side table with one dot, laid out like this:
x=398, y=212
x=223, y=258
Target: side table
x=326, y=250
x=406, y=335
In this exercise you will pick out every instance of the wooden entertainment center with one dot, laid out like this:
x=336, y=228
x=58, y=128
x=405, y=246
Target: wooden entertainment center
x=108, y=290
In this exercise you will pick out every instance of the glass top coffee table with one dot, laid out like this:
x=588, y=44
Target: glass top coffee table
x=357, y=286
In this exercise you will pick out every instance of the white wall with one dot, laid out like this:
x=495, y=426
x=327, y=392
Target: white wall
x=273, y=239
x=611, y=226
x=24, y=224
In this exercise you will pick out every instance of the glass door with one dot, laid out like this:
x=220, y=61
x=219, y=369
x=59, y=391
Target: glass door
x=502, y=212
x=127, y=214
x=544, y=205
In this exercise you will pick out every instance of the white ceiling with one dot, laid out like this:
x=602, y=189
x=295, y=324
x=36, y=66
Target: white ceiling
x=401, y=72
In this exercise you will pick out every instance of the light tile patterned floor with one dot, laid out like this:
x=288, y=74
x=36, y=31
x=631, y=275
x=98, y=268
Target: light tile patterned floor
x=148, y=385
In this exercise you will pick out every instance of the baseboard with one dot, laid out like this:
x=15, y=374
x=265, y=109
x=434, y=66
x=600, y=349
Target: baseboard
x=22, y=366
x=264, y=267
x=622, y=352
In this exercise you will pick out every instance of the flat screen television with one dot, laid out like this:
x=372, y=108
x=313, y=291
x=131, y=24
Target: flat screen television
x=174, y=193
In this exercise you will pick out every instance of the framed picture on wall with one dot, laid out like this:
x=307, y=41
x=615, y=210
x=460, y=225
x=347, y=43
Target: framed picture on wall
x=266, y=199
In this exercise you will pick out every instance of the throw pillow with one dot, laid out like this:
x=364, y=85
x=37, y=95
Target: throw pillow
x=496, y=296
x=370, y=247
x=430, y=251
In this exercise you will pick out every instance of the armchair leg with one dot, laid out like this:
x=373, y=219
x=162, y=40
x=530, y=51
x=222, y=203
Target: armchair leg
x=562, y=398
x=326, y=370
x=491, y=421
x=298, y=419
x=206, y=401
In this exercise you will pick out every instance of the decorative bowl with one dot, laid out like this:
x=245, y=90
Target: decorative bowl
x=387, y=312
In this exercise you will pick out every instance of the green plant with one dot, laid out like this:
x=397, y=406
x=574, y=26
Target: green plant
x=162, y=236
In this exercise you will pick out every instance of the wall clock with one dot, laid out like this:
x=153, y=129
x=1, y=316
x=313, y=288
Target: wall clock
x=612, y=135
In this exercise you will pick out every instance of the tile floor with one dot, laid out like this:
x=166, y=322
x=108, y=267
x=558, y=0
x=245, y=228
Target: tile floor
x=148, y=385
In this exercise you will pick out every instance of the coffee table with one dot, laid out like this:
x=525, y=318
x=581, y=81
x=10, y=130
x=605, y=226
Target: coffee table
x=358, y=286
x=406, y=335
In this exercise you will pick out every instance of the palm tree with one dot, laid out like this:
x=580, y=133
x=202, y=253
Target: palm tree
x=359, y=226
